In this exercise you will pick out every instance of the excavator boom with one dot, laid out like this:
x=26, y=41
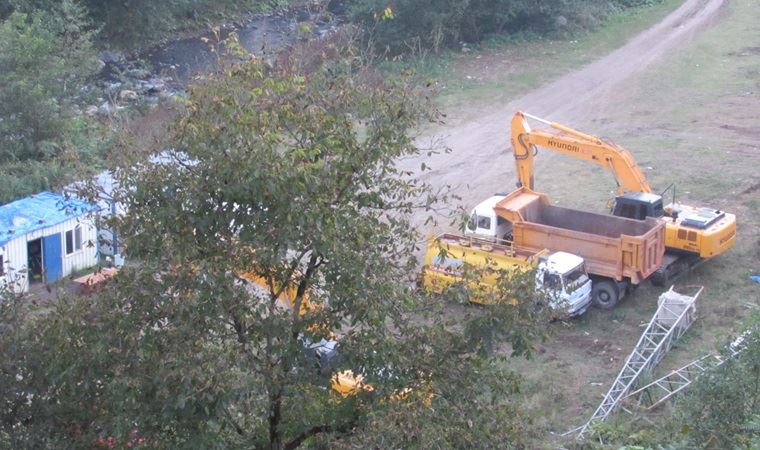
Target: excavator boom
x=566, y=140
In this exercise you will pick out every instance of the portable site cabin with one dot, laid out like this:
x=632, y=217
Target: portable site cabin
x=44, y=238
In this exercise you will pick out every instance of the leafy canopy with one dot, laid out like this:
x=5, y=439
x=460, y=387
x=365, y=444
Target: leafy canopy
x=287, y=173
x=45, y=56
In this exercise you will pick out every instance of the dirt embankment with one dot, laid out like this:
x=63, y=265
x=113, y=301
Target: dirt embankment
x=480, y=161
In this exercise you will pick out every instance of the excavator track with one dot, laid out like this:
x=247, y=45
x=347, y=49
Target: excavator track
x=673, y=266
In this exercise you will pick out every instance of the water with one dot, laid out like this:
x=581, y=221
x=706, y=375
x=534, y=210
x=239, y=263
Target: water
x=184, y=58
x=168, y=68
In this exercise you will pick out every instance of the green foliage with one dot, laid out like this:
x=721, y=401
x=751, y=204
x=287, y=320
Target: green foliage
x=46, y=57
x=435, y=24
x=137, y=22
x=722, y=408
x=290, y=176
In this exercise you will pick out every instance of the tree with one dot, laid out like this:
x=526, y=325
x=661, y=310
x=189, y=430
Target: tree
x=722, y=409
x=291, y=177
x=45, y=58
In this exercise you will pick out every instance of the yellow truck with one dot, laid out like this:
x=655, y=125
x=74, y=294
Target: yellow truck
x=560, y=275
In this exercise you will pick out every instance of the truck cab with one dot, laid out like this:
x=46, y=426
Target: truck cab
x=562, y=276
x=484, y=223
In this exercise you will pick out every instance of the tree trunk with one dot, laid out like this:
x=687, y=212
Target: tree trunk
x=275, y=416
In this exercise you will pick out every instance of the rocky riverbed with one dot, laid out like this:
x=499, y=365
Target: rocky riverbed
x=166, y=69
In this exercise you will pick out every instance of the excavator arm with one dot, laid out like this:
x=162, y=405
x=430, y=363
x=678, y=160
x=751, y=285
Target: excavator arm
x=565, y=140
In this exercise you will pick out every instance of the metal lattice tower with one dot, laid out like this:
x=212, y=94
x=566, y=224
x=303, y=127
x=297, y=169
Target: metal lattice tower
x=675, y=314
x=657, y=392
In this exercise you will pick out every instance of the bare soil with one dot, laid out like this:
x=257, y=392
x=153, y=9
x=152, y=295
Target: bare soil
x=480, y=160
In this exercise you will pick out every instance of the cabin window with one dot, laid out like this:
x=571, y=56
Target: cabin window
x=658, y=211
x=681, y=234
x=484, y=222
x=552, y=281
x=628, y=211
x=693, y=236
x=472, y=224
x=74, y=240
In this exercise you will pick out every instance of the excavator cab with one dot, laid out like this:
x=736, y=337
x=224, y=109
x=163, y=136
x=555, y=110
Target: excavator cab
x=638, y=205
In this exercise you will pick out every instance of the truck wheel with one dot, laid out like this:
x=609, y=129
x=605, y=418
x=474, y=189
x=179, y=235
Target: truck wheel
x=605, y=294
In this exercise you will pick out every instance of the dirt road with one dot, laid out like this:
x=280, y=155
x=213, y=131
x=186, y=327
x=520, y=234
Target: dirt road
x=480, y=161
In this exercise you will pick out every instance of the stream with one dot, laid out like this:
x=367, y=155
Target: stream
x=168, y=68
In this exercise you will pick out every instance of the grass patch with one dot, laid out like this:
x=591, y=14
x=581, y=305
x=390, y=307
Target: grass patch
x=504, y=68
x=691, y=120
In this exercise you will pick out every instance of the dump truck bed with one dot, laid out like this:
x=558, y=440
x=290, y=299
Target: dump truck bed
x=438, y=273
x=612, y=246
x=489, y=248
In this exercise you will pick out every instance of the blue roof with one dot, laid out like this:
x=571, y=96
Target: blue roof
x=38, y=212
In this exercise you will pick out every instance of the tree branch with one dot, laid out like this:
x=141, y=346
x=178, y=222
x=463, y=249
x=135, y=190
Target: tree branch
x=313, y=431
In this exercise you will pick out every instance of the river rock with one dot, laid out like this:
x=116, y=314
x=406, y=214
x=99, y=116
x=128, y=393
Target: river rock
x=112, y=89
x=139, y=73
x=154, y=86
x=110, y=57
x=105, y=109
x=127, y=94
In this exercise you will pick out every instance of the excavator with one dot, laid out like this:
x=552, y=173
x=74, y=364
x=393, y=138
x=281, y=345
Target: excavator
x=692, y=234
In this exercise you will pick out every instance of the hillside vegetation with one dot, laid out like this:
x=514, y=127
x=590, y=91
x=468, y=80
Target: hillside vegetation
x=51, y=53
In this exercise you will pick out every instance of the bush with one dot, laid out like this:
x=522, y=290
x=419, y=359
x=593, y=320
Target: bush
x=127, y=23
x=722, y=410
x=434, y=24
x=46, y=57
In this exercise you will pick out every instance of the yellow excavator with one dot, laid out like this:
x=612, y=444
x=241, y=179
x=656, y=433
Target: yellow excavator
x=692, y=234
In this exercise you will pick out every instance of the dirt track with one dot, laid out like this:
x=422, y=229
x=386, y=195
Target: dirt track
x=480, y=161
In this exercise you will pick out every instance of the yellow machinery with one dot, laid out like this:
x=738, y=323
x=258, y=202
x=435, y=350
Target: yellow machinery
x=440, y=273
x=692, y=233
x=561, y=276
x=288, y=295
x=345, y=383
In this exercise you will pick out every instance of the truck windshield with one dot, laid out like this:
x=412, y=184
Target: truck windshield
x=575, y=278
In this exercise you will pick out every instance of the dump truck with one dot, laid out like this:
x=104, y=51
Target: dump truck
x=693, y=234
x=561, y=276
x=619, y=253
